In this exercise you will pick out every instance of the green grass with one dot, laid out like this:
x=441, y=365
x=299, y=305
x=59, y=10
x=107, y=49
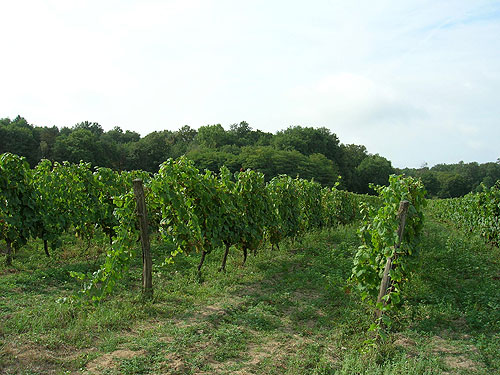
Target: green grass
x=288, y=311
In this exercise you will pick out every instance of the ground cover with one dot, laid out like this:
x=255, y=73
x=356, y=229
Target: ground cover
x=288, y=311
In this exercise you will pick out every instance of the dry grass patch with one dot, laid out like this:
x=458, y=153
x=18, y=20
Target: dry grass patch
x=110, y=361
x=38, y=359
x=454, y=357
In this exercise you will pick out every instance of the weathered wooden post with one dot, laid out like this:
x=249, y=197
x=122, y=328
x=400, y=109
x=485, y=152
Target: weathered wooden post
x=147, y=263
x=385, y=284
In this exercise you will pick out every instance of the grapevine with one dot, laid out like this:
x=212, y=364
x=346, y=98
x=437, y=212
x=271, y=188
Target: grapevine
x=379, y=236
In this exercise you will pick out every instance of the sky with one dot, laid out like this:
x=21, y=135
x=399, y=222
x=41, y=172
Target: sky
x=414, y=81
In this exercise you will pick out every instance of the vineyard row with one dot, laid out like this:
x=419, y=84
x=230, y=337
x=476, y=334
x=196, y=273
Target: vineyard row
x=203, y=211
x=475, y=212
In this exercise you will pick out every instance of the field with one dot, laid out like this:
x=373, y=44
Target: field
x=288, y=311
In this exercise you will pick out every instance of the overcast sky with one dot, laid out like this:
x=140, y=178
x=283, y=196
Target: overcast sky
x=415, y=81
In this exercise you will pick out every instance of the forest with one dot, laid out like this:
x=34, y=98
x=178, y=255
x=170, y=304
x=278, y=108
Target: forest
x=306, y=152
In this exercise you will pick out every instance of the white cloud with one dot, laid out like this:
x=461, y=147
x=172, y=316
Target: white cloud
x=352, y=102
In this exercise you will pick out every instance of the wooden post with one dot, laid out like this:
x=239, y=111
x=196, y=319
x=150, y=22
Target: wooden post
x=147, y=263
x=385, y=284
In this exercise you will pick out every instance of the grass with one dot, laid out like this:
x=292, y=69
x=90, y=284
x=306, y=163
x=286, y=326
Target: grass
x=289, y=311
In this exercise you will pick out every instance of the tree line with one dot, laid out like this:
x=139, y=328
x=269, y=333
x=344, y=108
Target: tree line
x=307, y=152
x=456, y=180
